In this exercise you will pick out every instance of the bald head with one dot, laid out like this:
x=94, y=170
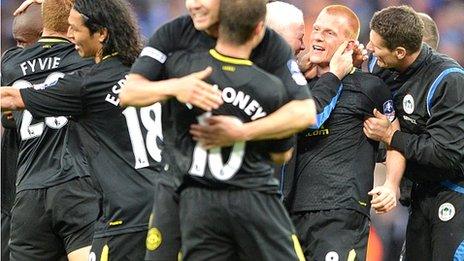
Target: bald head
x=431, y=35
x=352, y=25
x=27, y=26
x=287, y=20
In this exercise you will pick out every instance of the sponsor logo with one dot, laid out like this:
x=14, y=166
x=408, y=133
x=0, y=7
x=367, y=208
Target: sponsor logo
x=297, y=76
x=408, y=104
x=154, y=239
x=446, y=211
x=407, y=118
x=388, y=110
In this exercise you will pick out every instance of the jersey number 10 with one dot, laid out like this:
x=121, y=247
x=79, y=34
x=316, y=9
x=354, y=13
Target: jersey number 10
x=214, y=159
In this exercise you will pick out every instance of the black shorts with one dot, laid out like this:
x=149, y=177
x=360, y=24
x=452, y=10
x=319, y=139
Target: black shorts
x=127, y=246
x=48, y=224
x=163, y=238
x=338, y=234
x=6, y=218
x=436, y=225
x=235, y=225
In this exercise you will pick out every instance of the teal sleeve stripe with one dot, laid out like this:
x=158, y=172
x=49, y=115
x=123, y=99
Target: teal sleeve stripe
x=325, y=114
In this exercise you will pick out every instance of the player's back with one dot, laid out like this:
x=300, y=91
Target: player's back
x=49, y=150
x=126, y=156
x=248, y=94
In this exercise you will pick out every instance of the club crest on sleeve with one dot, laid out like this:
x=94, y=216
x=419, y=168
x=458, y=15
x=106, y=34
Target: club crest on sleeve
x=297, y=76
x=446, y=211
x=408, y=104
x=388, y=110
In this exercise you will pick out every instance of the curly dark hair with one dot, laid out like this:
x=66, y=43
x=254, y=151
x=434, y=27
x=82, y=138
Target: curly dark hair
x=399, y=26
x=118, y=17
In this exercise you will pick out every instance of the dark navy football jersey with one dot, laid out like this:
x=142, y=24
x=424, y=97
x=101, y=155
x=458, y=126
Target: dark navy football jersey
x=9, y=153
x=335, y=163
x=248, y=93
x=49, y=148
x=125, y=156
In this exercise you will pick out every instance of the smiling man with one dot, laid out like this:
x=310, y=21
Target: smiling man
x=429, y=100
x=330, y=198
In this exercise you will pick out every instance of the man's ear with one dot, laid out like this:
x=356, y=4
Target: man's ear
x=103, y=35
x=400, y=52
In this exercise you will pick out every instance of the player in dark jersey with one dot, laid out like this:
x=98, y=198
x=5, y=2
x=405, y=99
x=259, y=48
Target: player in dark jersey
x=124, y=150
x=429, y=101
x=53, y=184
x=333, y=175
x=26, y=31
x=243, y=186
x=272, y=54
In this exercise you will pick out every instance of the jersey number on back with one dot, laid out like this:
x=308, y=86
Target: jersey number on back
x=214, y=159
x=140, y=146
x=29, y=130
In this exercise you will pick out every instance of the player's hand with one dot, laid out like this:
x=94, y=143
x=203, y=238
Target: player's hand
x=378, y=128
x=191, y=89
x=384, y=198
x=359, y=54
x=218, y=131
x=25, y=5
x=341, y=63
x=306, y=66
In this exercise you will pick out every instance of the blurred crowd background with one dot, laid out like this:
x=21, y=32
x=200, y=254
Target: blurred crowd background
x=448, y=14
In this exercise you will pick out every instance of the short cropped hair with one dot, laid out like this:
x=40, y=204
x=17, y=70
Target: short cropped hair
x=238, y=19
x=431, y=35
x=353, y=24
x=55, y=15
x=399, y=26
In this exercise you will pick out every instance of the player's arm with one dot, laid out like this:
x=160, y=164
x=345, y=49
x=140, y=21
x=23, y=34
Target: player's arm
x=139, y=91
x=281, y=150
x=296, y=115
x=281, y=157
x=384, y=198
x=441, y=145
x=10, y=98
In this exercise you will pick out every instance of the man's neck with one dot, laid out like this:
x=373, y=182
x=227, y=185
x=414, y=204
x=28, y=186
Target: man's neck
x=408, y=61
x=238, y=51
x=50, y=33
x=322, y=68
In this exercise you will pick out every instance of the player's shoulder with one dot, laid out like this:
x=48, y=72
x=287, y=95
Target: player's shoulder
x=272, y=52
x=263, y=78
x=10, y=54
x=179, y=27
x=368, y=83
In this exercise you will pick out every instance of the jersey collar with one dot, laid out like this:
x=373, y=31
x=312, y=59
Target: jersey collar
x=53, y=39
x=227, y=59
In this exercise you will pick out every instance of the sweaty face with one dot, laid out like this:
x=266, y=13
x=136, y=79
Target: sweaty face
x=327, y=35
x=386, y=58
x=86, y=44
x=204, y=13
